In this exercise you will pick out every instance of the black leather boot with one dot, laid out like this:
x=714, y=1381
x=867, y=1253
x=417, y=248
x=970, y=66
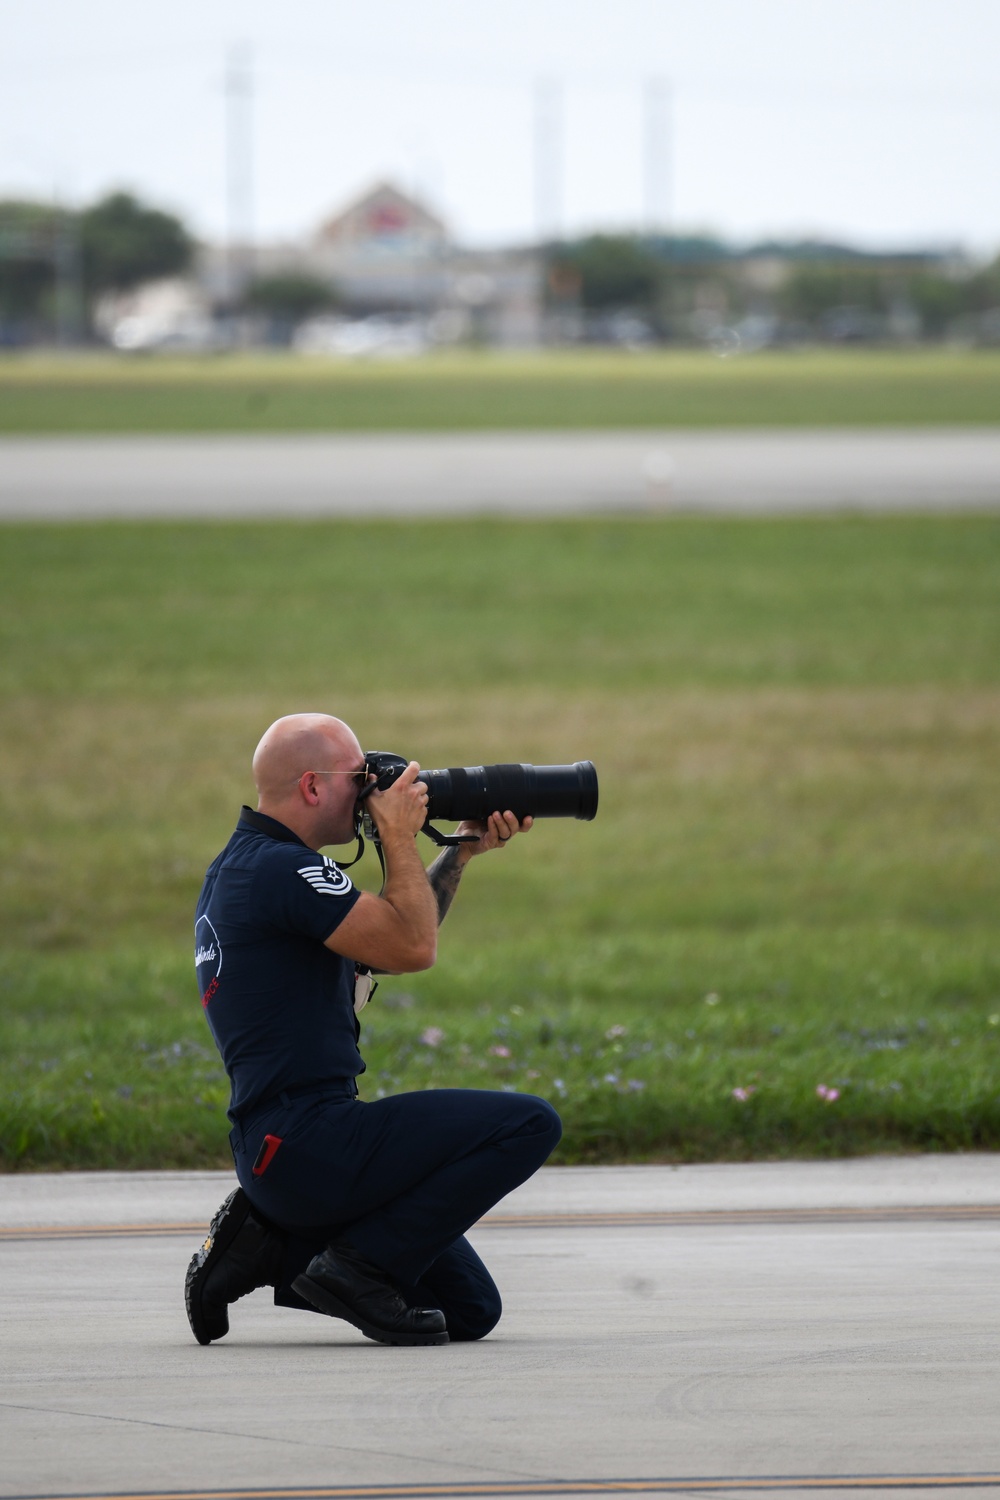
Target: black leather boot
x=339, y=1281
x=240, y=1254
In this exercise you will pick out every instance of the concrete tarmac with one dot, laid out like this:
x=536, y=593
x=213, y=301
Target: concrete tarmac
x=744, y=1330
x=515, y=473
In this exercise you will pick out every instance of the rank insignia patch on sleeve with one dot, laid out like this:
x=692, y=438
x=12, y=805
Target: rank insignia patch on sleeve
x=328, y=879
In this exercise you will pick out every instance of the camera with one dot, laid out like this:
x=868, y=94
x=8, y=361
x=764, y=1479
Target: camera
x=473, y=792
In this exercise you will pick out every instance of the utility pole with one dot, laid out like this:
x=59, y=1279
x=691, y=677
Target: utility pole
x=68, y=267
x=239, y=171
x=548, y=143
x=656, y=156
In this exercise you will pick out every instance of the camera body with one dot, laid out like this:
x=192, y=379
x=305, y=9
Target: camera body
x=473, y=792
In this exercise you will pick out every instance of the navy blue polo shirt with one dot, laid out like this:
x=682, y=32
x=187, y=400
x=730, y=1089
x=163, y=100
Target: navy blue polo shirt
x=280, y=1005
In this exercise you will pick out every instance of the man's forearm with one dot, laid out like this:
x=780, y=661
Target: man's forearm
x=444, y=875
x=405, y=890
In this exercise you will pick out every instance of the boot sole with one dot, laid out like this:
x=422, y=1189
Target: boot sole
x=221, y=1232
x=325, y=1301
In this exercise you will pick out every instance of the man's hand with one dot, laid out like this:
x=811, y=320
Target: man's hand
x=401, y=810
x=495, y=833
x=395, y=933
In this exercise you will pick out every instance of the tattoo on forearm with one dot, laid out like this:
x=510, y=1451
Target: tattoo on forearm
x=444, y=875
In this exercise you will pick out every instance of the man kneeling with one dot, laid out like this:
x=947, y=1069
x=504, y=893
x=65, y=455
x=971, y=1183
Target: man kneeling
x=357, y=1210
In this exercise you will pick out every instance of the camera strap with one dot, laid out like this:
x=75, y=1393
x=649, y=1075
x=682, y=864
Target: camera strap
x=365, y=825
x=358, y=853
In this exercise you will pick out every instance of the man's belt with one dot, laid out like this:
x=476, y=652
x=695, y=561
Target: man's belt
x=318, y=1088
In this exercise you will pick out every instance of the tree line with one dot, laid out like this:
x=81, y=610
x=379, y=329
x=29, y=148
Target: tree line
x=677, y=287
x=55, y=263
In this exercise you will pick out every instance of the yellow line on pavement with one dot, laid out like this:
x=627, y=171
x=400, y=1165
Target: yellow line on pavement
x=512, y=1488
x=632, y=1220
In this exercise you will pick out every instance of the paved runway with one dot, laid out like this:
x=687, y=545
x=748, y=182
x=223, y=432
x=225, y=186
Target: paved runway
x=778, y=1328
x=534, y=474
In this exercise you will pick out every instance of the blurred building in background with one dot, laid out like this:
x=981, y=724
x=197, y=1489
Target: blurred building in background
x=387, y=276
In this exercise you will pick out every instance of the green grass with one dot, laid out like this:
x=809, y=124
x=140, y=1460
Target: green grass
x=108, y=1066
x=448, y=392
x=148, y=611
x=792, y=881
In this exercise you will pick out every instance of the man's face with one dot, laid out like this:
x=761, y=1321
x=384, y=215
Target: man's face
x=339, y=782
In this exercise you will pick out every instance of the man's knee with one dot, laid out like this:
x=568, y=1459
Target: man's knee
x=553, y=1124
x=541, y=1122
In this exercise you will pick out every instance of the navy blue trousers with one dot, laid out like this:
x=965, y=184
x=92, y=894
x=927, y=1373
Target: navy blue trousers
x=401, y=1179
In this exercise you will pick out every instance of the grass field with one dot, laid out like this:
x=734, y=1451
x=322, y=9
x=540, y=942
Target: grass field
x=791, y=885
x=586, y=389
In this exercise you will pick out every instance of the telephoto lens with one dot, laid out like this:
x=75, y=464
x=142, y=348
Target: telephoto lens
x=526, y=791
x=473, y=792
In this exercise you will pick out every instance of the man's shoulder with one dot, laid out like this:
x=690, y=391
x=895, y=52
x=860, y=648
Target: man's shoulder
x=282, y=881
x=253, y=846
x=300, y=872
x=251, y=858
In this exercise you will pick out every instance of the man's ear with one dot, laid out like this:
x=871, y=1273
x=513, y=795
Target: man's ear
x=308, y=789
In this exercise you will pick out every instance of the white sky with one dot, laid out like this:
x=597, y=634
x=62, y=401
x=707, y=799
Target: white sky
x=875, y=121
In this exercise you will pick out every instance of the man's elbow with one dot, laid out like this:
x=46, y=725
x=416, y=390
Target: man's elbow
x=423, y=955
x=405, y=952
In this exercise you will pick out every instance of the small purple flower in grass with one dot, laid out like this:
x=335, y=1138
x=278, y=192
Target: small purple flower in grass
x=499, y=1051
x=741, y=1095
x=432, y=1037
x=827, y=1094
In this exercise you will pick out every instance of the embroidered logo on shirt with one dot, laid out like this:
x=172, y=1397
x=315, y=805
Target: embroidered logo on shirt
x=328, y=878
x=207, y=958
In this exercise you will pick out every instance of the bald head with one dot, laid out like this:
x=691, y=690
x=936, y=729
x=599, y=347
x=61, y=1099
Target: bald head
x=296, y=744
